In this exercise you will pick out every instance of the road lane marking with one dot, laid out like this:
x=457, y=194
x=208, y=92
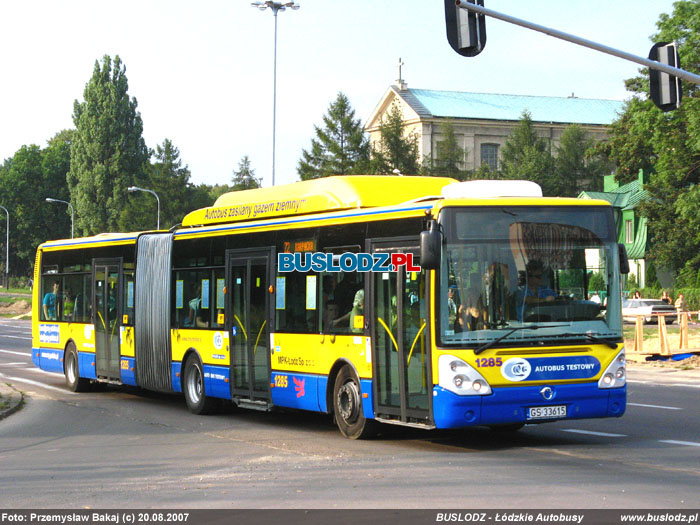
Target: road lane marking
x=16, y=337
x=674, y=442
x=36, y=383
x=28, y=354
x=652, y=406
x=592, y=433
x=13, y=364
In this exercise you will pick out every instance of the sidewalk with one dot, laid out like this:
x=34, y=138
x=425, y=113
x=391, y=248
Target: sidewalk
x=11, y=400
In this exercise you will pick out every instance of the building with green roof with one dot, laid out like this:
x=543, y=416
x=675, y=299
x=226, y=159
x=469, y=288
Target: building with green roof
x=631, y=227
x=482, y=122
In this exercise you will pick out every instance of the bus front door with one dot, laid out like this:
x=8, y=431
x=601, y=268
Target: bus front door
x=247, y=322
x=106, y=307
x=400, y=358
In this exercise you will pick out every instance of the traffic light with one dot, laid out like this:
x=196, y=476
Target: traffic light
x=665, y=90
x=466, y=30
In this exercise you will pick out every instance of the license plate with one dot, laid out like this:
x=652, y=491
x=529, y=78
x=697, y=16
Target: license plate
x=546, y=412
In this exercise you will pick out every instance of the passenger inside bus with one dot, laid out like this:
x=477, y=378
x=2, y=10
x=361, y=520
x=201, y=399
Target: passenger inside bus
x=471, y=315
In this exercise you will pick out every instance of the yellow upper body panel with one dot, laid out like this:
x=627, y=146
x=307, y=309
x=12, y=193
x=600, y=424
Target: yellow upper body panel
x=103, y=239
x=317, y=196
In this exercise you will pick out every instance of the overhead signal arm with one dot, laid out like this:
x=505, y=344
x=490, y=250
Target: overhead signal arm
x=662, y=65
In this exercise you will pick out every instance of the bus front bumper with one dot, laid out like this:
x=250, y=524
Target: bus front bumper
x=512, y=404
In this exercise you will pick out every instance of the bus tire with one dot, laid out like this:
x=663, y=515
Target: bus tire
x=193, y=388
x=74, y=382
x=347, y=407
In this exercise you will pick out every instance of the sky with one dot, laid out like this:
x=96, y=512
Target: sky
x=202, y=72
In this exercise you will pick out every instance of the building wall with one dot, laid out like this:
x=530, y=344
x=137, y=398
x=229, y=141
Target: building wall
x=470, y=133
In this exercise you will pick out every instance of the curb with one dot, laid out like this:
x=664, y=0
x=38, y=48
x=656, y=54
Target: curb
x=15, y=397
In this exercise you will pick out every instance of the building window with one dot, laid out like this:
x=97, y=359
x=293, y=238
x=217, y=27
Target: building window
x=629, y=238
x=489, y=155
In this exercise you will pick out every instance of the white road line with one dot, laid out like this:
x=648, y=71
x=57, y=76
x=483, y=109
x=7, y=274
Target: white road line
x=686, y=385
x=15, y=337
x=592, y=433
x=40, y=371
x=28, y=354
x=36, y=383
x=13, y=364
x=638, y=381
x=674, y=442
x=652, y=406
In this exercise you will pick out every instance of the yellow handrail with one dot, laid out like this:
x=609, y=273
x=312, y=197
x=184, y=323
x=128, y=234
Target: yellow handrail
x=255, y=348
x=408, y=361
x=242, y=327
x=396, y=345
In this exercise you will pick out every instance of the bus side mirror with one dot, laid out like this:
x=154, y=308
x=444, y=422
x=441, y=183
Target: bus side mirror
x=430, y=246
x=624, y=261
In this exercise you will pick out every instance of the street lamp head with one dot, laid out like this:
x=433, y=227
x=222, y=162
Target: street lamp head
x=49, y=199
x=132, y=189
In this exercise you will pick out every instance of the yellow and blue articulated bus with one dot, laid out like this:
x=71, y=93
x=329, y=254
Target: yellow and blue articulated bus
x=417, y=301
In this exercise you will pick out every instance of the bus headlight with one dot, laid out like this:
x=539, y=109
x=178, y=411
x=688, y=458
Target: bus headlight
x=615, y=375
x=457, y=376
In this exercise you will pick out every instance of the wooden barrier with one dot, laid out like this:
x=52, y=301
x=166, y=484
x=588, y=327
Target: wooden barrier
x=663, y=348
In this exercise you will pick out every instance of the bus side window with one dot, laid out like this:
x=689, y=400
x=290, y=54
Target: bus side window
x=296, y=310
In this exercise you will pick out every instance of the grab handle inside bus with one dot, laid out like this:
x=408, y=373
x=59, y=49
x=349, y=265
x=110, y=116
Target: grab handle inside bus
x=430, y=246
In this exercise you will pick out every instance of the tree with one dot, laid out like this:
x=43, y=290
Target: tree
x=669, y=144
x=526, y=156
x=577, y=165
x=449, y=156
x=340, y=147
x=108, y=153
x=26, y=180
x=396, y=149
x=244, y=178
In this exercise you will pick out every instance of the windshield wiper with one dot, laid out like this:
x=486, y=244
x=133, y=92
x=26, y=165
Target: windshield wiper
x=592, y=337
x=488, y=345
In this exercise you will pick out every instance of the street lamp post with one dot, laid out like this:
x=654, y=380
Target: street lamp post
x=275, y=6
x=7, y=250
x=132, y=189
x=49, y=199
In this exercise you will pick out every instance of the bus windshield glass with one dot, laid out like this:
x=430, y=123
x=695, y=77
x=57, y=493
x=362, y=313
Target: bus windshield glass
x=552, y=269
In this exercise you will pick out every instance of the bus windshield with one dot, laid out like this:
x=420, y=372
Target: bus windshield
x=509, y=268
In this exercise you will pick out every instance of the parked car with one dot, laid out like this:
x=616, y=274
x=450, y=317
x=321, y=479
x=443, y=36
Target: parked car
x=649, y=308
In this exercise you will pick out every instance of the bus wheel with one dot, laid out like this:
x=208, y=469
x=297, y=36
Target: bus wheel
x=508, y=427
x=193, y=387
x=74, y=382
x=347, y=405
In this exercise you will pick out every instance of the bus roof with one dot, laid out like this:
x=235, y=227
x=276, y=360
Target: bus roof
x=316, y=196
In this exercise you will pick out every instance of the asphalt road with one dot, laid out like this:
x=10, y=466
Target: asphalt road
x=119, y=447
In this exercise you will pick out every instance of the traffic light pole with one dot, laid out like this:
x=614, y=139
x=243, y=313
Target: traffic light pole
x=680, y=73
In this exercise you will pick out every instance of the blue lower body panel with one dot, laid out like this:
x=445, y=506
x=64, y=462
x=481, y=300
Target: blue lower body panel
x=216, y=381
x=49, y=359
x=510, y=404
x=86, y=365
x=128, y=375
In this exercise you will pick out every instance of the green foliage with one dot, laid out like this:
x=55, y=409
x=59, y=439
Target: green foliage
x=596, y=282
x=244, y=178
x=26, y=180
x=578, y=166
x=526, y=156
x=340, y=147
x=108, y=153
x=449, y=156
x=669, y=143
x=396, y=149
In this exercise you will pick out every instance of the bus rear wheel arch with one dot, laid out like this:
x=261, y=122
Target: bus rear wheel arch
x=194, y=389
x=347, y=406
x=71, y=369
